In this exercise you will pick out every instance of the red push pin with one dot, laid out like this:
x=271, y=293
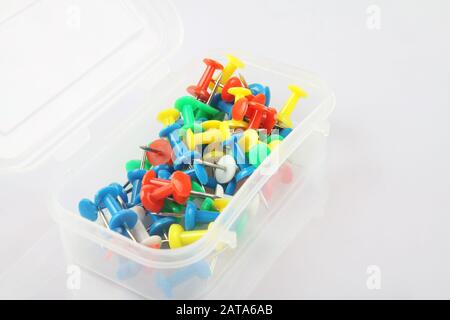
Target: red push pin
x=239, y=109
x=179, y=186
x=200, y=91
x=159, y=152
x=269, y=119
x=257, y=112
x=259, y=98
x=231, y=83
x=148, y=201
x=155, y=190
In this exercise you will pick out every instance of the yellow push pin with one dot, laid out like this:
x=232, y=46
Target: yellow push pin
x=207, y=137
x=221, y=203
x=232, y=65
x=223, y=126
x=168, y=116
x=284, y=116
x=179, y=238
x=248, y=140
x=211, y=124
x=213, y=155
x=239, y=93
x=225, y=131
x=273, y=144
x=237, y=124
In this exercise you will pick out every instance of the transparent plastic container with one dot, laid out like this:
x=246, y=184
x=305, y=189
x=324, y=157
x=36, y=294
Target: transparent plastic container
x=86, y=124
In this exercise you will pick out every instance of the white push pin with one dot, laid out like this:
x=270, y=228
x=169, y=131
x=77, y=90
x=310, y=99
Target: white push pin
x=219, y=191
x=225, y=168
x=139, y=233
x=228, y=170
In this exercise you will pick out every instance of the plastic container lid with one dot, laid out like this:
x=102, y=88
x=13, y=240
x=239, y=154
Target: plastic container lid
x=61, y=59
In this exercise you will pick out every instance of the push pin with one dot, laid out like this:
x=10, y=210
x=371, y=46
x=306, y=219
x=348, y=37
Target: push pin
x=181, y=152
x=154, y=190
x=231, y=187
x=193, y=216
x=221, y=203
x=258, y=153
x=208, y=205
x=284, y=116
x=178, y=237
x=258, y=89
x=163, y=171
x=135, y=178
x=200, y=91
x=90, y=211
x=207, y=137
x=158, y=152
x=140, y=233
x=168, y=116
x=160, y=226
x=198, y=172
x=187, y=106
x=225, y=95
x=240, y=106
x=225, y=168
x=232, y=65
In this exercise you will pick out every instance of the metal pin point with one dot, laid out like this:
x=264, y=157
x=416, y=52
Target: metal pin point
x=216, y=85
x=145, y=148
x=127, y=230
x=102, y=215
x=169, y=214
x=194, y=193
x=244, y=82
x=210, y=164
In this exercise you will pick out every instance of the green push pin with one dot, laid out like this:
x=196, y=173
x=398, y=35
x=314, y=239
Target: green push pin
x=274, y=137
x=186, y=105
x=208, y=205
x=219, y=116
x=258, y=153
x=136, y=164
x=192, y=109
x=171, y=206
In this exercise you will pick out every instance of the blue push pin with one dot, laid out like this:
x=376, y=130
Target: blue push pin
x=285, y=131
x=123, y=195
x=108, y=197
x=90, y=211
x=163, y=171
x=160, y=225
x=199, y=269
x=182, y=154
x=231, y=186
x=245, y=172
x=192, y=216
x=212, y=183
x=223, y=106
x=135, y=178
x=245, y=169
x=198, y=172
x=257, y=88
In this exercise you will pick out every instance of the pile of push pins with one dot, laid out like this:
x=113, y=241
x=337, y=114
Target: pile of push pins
x=211, y=142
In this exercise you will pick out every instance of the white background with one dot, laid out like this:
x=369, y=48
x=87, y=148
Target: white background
x=389, y=154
